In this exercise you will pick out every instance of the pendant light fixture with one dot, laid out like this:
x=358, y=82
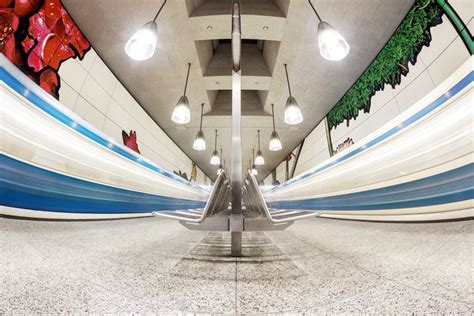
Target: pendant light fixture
x=182, y=111
x=221, y=167
x=253, y=168
x=259, y=160
x=293, y=115
x=199, y=140
x=332, y=46
x=142, y=44
x=215, y=160
x=275, y=143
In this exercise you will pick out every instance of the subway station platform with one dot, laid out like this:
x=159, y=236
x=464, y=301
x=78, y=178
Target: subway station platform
x=236, y=157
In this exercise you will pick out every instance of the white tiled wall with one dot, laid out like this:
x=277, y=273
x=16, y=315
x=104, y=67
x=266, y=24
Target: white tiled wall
x=268, y=180
x=314, y=151
x=91, y=90
x=465, y=10
x=435, y=63
x=281, y=172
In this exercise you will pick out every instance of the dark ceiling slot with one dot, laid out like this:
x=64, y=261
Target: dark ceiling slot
x=244, y=41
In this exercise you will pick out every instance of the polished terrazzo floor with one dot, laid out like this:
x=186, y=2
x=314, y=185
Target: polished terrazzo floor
x=153, y=265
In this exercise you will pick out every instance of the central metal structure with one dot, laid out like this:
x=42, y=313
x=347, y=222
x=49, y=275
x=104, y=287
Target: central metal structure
x=236, y=218
x=217, y=216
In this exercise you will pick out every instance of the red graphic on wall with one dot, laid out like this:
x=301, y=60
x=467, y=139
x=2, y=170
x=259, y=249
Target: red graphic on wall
x=37, y=36
x=130, y=140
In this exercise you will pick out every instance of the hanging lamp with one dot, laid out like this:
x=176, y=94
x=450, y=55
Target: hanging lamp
x=142, y=44
x=259, y=160
x=182, y=111
x=275, y=143
x=332, y=46
x=293, y=115
x=199, y=141
x=215, y=160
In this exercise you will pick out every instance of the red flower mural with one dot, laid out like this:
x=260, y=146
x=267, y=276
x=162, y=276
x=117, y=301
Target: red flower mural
x=8, y=26
x=130, y=140
x=37, y=36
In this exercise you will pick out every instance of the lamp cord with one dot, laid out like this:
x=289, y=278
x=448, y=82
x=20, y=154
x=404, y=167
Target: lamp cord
x=161, y=8
x=258, y=136
x=187, y=77
x=215, y=141
x=273, y=117
x=314, y=9
x=287, y=79
x=200, y=124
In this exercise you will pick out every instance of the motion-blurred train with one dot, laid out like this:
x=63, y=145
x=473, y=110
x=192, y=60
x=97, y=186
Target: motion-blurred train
x=419, y=166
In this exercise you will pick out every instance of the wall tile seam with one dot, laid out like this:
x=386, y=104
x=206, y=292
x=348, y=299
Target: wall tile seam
x=168, y=161
x=442, y=52
x=100, y=112
x=156, y=137
x=181, y=152
x=426, y=68
x=368, y=116
x=313, y=142
x=180, y=161
x=152, y=134
x=317, y=153
x=82, y=96
x=109, y=107
x=105, y=117
x=92, y=62
x=103, y=88
x=98, y=82
x=87, y=73
x=63, y=82
x=430, y=64
x=79, y=93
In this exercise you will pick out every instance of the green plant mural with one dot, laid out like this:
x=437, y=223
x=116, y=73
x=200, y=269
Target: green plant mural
x=391, y=62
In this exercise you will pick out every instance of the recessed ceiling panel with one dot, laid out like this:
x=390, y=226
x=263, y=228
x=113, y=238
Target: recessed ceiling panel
x=288, y=31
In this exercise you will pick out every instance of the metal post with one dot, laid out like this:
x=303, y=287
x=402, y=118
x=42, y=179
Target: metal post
x=458, y=24
x=236, y=218
x=328, y=137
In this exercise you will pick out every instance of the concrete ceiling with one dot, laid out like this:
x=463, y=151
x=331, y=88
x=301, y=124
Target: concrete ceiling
x=275, y=32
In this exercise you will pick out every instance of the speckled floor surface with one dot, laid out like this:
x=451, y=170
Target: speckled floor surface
x=154, y=265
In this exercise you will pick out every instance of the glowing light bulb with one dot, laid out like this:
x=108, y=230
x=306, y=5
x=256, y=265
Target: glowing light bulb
x=142, y=44
x=254, y=170
x=293, y=113
x=215, y=160
x=182, y=112
x=259, y=160
x=199, y=141
x=275, y=143
x=332, y=46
